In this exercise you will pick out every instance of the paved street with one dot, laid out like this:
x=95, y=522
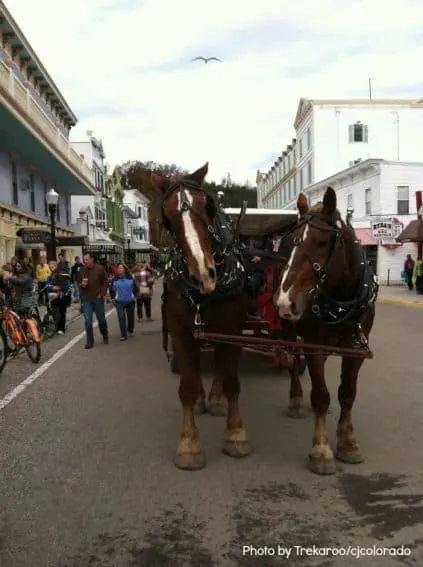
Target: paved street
x=86, y=462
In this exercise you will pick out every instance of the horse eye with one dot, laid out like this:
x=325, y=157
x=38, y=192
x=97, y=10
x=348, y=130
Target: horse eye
x=322, y=244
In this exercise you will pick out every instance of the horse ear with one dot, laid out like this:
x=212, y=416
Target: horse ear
x=302, y=204
x=329, y=202
x=160, y=183
x=200, y=174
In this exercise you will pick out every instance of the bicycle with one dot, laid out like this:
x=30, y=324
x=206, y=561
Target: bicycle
x=20, y=332
x=46, y=324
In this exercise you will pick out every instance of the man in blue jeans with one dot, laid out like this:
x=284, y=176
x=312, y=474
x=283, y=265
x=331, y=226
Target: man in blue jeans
x=94, y=284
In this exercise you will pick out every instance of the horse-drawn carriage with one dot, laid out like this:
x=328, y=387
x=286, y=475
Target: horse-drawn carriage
x=257, y=224
x=322, y=287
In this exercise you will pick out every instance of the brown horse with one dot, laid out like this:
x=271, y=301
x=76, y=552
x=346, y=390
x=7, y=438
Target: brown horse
x=205, y=286
x=327, y=290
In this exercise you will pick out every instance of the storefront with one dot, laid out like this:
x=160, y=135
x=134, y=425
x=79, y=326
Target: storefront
x=104, y=252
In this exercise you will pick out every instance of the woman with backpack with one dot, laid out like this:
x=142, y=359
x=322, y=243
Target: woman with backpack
x=123, y=291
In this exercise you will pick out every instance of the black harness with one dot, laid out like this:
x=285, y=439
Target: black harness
x=230, y=272
x=325, y=307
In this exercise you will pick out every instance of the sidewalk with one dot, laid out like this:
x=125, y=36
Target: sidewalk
x=400, y=295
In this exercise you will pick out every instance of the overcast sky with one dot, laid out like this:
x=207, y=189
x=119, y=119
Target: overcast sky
x=125, y=68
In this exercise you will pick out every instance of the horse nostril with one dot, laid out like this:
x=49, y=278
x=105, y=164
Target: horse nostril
x=194, y=279
x=212, y=273
x=294, y=309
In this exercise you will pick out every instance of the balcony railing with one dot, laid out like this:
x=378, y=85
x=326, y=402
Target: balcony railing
x=24, y=99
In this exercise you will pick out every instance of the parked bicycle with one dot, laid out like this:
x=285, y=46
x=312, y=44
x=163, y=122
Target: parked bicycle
x=21, y=332
x=46, y=323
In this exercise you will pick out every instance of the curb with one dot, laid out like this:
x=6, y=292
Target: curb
x=403, y=302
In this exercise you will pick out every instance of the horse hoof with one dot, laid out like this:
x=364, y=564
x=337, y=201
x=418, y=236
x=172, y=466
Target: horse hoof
x=200, y=407
x=190, y=461
x=351, y=457
x=236, y=449
x=322, y=466
x=217, y=409
x=296, y=412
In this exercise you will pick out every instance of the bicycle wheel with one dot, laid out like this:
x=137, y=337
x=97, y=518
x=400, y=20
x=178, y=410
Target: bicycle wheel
x=49, y=325
x=11, y=346
x=3, y=350
x=33, y=339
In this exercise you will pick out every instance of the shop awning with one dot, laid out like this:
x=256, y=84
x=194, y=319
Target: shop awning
x=413, y=232
x=365, y=236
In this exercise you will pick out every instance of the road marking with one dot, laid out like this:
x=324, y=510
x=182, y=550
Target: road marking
x=403, y=302
x=4, y=402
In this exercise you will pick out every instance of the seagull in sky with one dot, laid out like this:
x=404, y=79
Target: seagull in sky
x=207, y=59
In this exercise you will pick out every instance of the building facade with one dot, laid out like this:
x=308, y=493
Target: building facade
x=35, y=152
x=378, y=191
x=332, y=135
x=105, y=229
x=137, y=231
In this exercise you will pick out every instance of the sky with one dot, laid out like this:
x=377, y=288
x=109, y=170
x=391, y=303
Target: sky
x=125, y=67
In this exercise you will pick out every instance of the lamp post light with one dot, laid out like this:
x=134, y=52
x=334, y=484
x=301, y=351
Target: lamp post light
x=52, y=199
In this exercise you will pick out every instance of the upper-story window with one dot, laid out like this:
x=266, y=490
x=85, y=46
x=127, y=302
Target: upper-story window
x=350, y=201
x=15, y=193
x=358, y=132
x=32, y=192
x=301, y=148
x=368, y=201
x=139, y=211
x=309, y=172
x=309, y=138
x=403, y=200
x=45, y=201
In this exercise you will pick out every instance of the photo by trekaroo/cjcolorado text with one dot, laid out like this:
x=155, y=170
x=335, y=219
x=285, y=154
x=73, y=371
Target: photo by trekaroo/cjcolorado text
x=354, y=551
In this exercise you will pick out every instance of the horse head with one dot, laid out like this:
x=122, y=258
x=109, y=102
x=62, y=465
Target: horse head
x=321, y=256
x=188, y=213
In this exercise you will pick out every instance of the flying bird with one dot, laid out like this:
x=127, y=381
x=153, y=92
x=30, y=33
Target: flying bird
x=207, y=59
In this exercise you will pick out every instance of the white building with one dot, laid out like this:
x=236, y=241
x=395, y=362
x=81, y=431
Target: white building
x=375, y=188
x=332, y=135
x=136, y=224
x=89, y=214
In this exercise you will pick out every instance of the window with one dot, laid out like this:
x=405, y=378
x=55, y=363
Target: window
x=45, y=202
x=32, y=192
x=368, y=201
x=403, y=200
x=15, y=194
x=309, y=138
x=58, y=211
x=139, y=210
x=309, y=172
x=350, y=201
x=358, y=132
x=67, y=201
x=301, y=179
x=301, y=148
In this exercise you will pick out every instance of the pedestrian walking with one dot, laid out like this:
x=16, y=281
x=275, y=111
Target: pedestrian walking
x=94, y=284
x=144, y=279
x=123, y=291
x=408, y=269
x=60, y=290
x=75, y=272
x=42, y=273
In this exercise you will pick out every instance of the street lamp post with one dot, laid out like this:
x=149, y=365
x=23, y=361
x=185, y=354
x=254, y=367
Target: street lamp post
x=52, y=199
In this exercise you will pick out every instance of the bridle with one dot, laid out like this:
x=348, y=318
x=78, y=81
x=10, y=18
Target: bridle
x=337, y=239
x=185, y=206
x=219, y=228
